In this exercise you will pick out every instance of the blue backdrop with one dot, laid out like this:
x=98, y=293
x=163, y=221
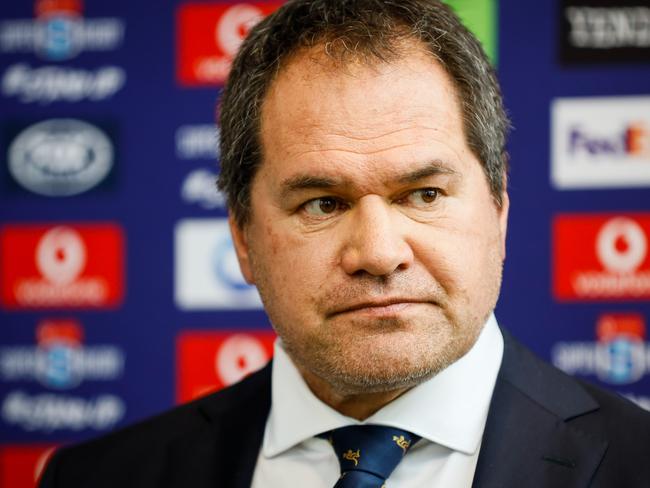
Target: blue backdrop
x=120, y=295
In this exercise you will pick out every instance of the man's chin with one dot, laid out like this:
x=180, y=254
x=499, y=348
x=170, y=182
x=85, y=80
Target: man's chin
x=351, y=383
x=376, y=370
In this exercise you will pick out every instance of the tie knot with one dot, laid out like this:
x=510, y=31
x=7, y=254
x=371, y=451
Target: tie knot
x=372, y=449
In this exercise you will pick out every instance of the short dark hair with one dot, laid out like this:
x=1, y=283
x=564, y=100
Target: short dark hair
x=363, y=29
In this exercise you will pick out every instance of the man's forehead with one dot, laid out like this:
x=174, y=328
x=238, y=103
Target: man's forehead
x=311, y=91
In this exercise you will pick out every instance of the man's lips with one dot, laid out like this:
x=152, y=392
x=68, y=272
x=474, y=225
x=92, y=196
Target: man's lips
x=384, y=306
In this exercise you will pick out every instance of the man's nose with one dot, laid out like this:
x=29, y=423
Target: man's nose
x=375, y=243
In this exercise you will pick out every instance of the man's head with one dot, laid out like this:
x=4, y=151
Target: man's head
x=362, y=156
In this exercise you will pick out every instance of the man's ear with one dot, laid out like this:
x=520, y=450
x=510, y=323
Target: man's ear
x=240, y=241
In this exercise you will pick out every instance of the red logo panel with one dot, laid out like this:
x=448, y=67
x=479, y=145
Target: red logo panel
x=22, y=466
x=601, y=257
x=208, y=361
x=64, y=266
x=208, y=36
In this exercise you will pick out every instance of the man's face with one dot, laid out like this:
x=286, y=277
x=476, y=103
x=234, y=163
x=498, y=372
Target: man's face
x=374, y=240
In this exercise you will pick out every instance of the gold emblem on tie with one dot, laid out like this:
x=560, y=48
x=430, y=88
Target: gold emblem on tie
x=351, y=455
x=401, y=442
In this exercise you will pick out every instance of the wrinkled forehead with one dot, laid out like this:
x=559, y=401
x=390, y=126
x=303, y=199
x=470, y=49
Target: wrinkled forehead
x=315, y=91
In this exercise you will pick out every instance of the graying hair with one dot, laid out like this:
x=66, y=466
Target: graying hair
x=367, y=31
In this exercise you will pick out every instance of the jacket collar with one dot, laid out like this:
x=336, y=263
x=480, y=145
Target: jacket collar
x=529, y=439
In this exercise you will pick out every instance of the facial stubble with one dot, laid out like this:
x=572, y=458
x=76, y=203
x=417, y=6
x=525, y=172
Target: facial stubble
x=356, y=356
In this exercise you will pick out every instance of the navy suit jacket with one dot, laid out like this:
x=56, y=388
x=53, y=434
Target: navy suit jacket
x=544, y=430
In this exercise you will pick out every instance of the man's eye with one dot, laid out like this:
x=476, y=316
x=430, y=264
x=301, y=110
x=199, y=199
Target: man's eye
x=424, y=196
x=320, y=207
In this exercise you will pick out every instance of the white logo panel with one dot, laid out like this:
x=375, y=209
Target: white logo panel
x=600, y=142
x=60, y=157
x=207, y=274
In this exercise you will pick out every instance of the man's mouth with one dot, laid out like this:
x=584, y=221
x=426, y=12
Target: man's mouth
x=378, y=307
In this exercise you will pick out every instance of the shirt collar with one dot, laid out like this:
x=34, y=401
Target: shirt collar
x=449, y=409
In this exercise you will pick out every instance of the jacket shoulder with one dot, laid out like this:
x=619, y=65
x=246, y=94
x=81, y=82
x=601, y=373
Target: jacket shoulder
x=141, y=451
x=589, y=411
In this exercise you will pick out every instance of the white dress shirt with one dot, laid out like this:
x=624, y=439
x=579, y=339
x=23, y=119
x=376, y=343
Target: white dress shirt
x=448, y=411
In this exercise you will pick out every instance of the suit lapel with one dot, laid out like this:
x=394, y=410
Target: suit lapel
x=223, y=453
x=529, y=439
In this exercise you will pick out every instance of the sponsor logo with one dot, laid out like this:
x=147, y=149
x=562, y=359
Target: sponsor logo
x=59, y=32
x=60, y=157
x=209, y=361
x=207, y=274
x=620, y=355
x=209, y=36
x=60, y=360
x=601, y=142
x=48, y=412
x=604, y=31
x=200, y=187
x=66, y=266
x=601, y=257
x=197, y=141
x=22, y=466
x=49, y=84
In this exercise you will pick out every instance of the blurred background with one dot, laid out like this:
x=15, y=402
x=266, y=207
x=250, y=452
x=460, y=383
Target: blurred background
x=120, y=294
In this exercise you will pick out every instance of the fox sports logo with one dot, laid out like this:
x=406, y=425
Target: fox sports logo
x=60, y=157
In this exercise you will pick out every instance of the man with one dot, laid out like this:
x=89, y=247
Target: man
x=363, y=158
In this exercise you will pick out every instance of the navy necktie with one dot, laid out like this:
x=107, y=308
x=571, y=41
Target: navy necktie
x=368, y=454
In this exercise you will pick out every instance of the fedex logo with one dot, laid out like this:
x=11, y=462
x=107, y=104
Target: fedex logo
x=601, y=257
x=63, y=266
x=633, y=140
x=208, y=361
x=600, y=142
x=209, y=35
x=22, y=466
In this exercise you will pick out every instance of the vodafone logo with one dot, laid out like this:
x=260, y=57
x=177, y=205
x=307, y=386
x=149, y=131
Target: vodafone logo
x=601, y=257
x=234, y=26
x=61, y=255
x=208, y=361
x=62, y=266
x=239, y=356
x=621, y=245
x=209, y=35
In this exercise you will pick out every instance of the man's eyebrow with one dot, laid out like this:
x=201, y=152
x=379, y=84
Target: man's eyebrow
x=432, y=168
x=308, y=182
x=312, y=182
